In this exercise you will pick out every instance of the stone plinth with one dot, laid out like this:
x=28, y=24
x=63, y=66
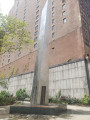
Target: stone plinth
x=41, y=110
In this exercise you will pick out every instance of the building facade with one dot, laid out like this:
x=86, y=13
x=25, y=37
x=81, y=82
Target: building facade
x=69, y=38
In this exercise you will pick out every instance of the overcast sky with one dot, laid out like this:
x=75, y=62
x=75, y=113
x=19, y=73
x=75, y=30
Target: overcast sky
x=6, y=5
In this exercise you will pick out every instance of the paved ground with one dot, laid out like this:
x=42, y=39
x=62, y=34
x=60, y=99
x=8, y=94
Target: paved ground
x=73, y=113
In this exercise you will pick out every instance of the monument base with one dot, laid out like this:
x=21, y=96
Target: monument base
x=41, y=110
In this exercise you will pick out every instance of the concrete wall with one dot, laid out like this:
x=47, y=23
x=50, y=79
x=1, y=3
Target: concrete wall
x=71, y=79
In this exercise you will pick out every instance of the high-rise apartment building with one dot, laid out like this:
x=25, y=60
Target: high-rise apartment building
x=69, y=38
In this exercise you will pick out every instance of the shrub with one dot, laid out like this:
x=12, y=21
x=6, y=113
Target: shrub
x=3, y=75
x=86, y=100
x=73, y=101
x=6, y=98
x=5, y=94
x=26, y=68
x=16, y=72
x=56, y=99
x=68, y=100
x=50, y=100
x=11, y=71
x=58, y=95
x=21, y=94
x=64, y=99
x=3, y=83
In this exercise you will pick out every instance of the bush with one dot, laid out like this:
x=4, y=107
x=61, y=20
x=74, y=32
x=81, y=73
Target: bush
x=21, y=94
x=73, y=101
x=6, y=98
x=3, y=75
x=58, y=95
x=86, y=100
x=68, y=100
x=11, y=71
x=56, y=99
x=5, y=94
x=64, y=99
x=3, y=83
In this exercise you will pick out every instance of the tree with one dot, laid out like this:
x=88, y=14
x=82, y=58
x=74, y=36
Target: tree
x=13, y=34
x=3, y=84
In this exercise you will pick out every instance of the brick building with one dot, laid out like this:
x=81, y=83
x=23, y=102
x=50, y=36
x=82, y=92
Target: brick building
x=69, y=33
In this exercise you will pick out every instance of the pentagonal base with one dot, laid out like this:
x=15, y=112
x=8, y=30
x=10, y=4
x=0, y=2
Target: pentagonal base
x=41, y=110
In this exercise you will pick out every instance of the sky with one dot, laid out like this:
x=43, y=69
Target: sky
x=5, y=6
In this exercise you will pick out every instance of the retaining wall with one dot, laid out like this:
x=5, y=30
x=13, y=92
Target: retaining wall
x=70, y=78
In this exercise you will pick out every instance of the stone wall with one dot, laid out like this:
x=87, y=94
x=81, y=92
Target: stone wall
x=70, y=78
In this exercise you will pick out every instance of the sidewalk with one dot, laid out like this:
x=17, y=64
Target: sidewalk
x=76, y=113
x=73, y=113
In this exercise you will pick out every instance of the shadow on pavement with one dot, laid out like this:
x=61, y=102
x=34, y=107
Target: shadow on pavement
x=65, y=116
x=78, y=112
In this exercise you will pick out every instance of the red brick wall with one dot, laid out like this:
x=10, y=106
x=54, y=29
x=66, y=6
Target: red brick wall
x=67, y=44
x=72, y=15
x=61, y=50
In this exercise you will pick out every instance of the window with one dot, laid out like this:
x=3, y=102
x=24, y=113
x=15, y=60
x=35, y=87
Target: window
x=36, y=28
x=63, y=6
x=24, y=17
x=84, y=23
x=35, y=39
x=53, y=3
x=86, y=41
x=63, y=13
x=53, y=14
x=53, y=27
x=37, y=7
x=64, y=20
x=37, y=17
x=36, y=22
x=53, y=21
x=53, y=35
x=63, y=1
x=9, y=56
x=37, y=12
x=36, y=33
x=35, y=45
x=24, y=13
x=8, y=60
x=53, y=8
x=25, y=10
x=37, y=2
x=19, y=54
x=89, y=16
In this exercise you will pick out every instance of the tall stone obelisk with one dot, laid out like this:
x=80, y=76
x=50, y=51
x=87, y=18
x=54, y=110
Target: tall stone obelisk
x=40, y=89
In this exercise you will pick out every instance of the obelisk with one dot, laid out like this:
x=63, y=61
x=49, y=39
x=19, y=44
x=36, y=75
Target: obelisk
x=40, y=89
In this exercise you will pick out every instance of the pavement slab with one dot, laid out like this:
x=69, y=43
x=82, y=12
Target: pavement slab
x=73, y=113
